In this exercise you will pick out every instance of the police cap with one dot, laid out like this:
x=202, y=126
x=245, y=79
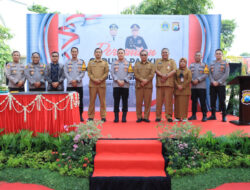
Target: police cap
x=135, y=27
x=113, y=27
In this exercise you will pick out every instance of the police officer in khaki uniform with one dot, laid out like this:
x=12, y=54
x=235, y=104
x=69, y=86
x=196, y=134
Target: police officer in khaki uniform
x=74, y=71
x=198, y=90
x=35, y=73
x=219, y=72
x=98, y=70
x=144, y=73
x=165, y=71
x=55, y=73
x=15, y=73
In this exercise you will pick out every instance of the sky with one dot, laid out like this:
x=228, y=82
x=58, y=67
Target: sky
x=16, y=18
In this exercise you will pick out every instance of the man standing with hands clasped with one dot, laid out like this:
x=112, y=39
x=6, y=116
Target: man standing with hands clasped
x=198, y=90
x=144, y=73
x=98, y=70
x=165, y=72
x=121, y=74
x=219, y=72
x=55, y=73
x=74, y=71
x=15, y=73
x=35, y=73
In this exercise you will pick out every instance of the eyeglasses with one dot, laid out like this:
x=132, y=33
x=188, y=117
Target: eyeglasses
x=54, y=55
x=143, y=54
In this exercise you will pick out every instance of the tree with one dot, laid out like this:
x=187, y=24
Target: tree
x=185, y=7
x=5, y=51
x=227, y=34
x=170, y=7
x=38, y=9
x=41, y=9
x=245, y=54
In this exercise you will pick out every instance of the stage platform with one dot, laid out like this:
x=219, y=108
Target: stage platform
x=143, y=130
x=129, y=156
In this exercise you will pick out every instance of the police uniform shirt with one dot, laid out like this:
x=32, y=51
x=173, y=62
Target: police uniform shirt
x=35, y=73
x=219, y=72
x=74, y=70
x=197, y=70
x=15, y=73
x=119, y=71
x=137, y=42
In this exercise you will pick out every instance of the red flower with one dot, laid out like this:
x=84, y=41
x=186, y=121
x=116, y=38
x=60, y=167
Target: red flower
x=86, y=159
x=52, y=152
x=57, y=160
x=59, y=165
x=84, y=165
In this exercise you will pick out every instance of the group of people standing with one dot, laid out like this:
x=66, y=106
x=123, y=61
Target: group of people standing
x=171, y=83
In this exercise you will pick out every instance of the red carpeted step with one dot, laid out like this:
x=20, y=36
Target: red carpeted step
x=129, y=146
x=129, y=158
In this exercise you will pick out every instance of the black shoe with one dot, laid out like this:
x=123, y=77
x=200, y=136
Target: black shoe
x=81, y=119
x=146, y=120
x=224, y=119
x=204, y=118
x=193, y=117
x=212, y=117
x=103, y=119
x=157, y=120
x=124, y=116
x=116, y=117
x=139, y=120
x=170, y=120
x=90, y=119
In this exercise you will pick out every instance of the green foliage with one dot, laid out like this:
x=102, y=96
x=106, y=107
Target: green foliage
x=188, y=152
x=245, y=54
x=44, y=177
x=170, y=7
x=178, y=131
x=41, y=9
x=5, y=50
x=233, y=91
x=211, y=179
x=38, y=9
x=69, y=154
x=227, y=34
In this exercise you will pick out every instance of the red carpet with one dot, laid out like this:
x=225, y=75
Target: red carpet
x=129, y=158
x=21, y=186
x=233, y=186
x=142, y=130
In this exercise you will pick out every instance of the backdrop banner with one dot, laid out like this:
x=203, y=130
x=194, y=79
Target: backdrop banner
x=183, y=35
